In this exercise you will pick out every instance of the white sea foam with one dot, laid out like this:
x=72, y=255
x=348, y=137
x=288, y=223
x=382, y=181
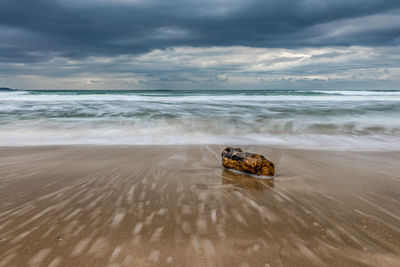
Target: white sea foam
x=342, y=120
x=329, y=96
x=361, y=93
x=162, y=137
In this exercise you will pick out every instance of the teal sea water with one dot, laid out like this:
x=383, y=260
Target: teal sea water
x=315, y=119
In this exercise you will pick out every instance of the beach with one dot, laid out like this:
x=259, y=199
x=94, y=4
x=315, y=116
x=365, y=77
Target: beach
x=216, y=133
x=174, y=205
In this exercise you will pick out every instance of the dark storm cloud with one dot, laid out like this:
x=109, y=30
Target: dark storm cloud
x=38, y=30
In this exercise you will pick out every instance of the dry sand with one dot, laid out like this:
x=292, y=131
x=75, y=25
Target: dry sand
x=175, y=206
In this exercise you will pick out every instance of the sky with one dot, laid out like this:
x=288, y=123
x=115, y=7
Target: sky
x=192, y=44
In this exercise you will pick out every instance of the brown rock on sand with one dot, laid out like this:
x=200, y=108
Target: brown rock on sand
x=235, y=158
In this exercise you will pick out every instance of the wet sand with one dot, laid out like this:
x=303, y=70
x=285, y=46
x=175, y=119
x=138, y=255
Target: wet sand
x=175, y=206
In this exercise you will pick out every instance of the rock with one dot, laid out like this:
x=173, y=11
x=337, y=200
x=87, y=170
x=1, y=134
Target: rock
x=235, y=158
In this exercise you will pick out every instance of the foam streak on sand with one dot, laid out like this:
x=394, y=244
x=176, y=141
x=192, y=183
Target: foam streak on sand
x=175, y=206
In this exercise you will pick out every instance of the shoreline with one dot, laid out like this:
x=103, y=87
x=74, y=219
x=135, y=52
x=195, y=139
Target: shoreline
x=118, y=205
x=256, y=146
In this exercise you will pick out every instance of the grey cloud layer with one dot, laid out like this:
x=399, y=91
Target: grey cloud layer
x=32, y=31
x=217, y=67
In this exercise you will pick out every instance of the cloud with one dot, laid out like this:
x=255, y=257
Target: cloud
x=234, y=67
x=198, y=44
x=33, y=30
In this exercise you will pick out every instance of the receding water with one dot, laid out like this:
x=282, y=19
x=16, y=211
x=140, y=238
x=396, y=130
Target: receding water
x=343, y=120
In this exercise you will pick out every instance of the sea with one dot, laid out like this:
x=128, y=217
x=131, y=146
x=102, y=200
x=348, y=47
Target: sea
x=352, y=120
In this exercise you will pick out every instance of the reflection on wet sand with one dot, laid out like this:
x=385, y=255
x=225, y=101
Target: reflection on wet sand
x=246, y=181
x=176, y=206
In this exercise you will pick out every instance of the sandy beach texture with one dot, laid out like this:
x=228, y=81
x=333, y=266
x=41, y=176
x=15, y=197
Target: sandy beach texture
x=176, y=206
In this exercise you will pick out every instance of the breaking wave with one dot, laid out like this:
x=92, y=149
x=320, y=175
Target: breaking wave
x=315, y=119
